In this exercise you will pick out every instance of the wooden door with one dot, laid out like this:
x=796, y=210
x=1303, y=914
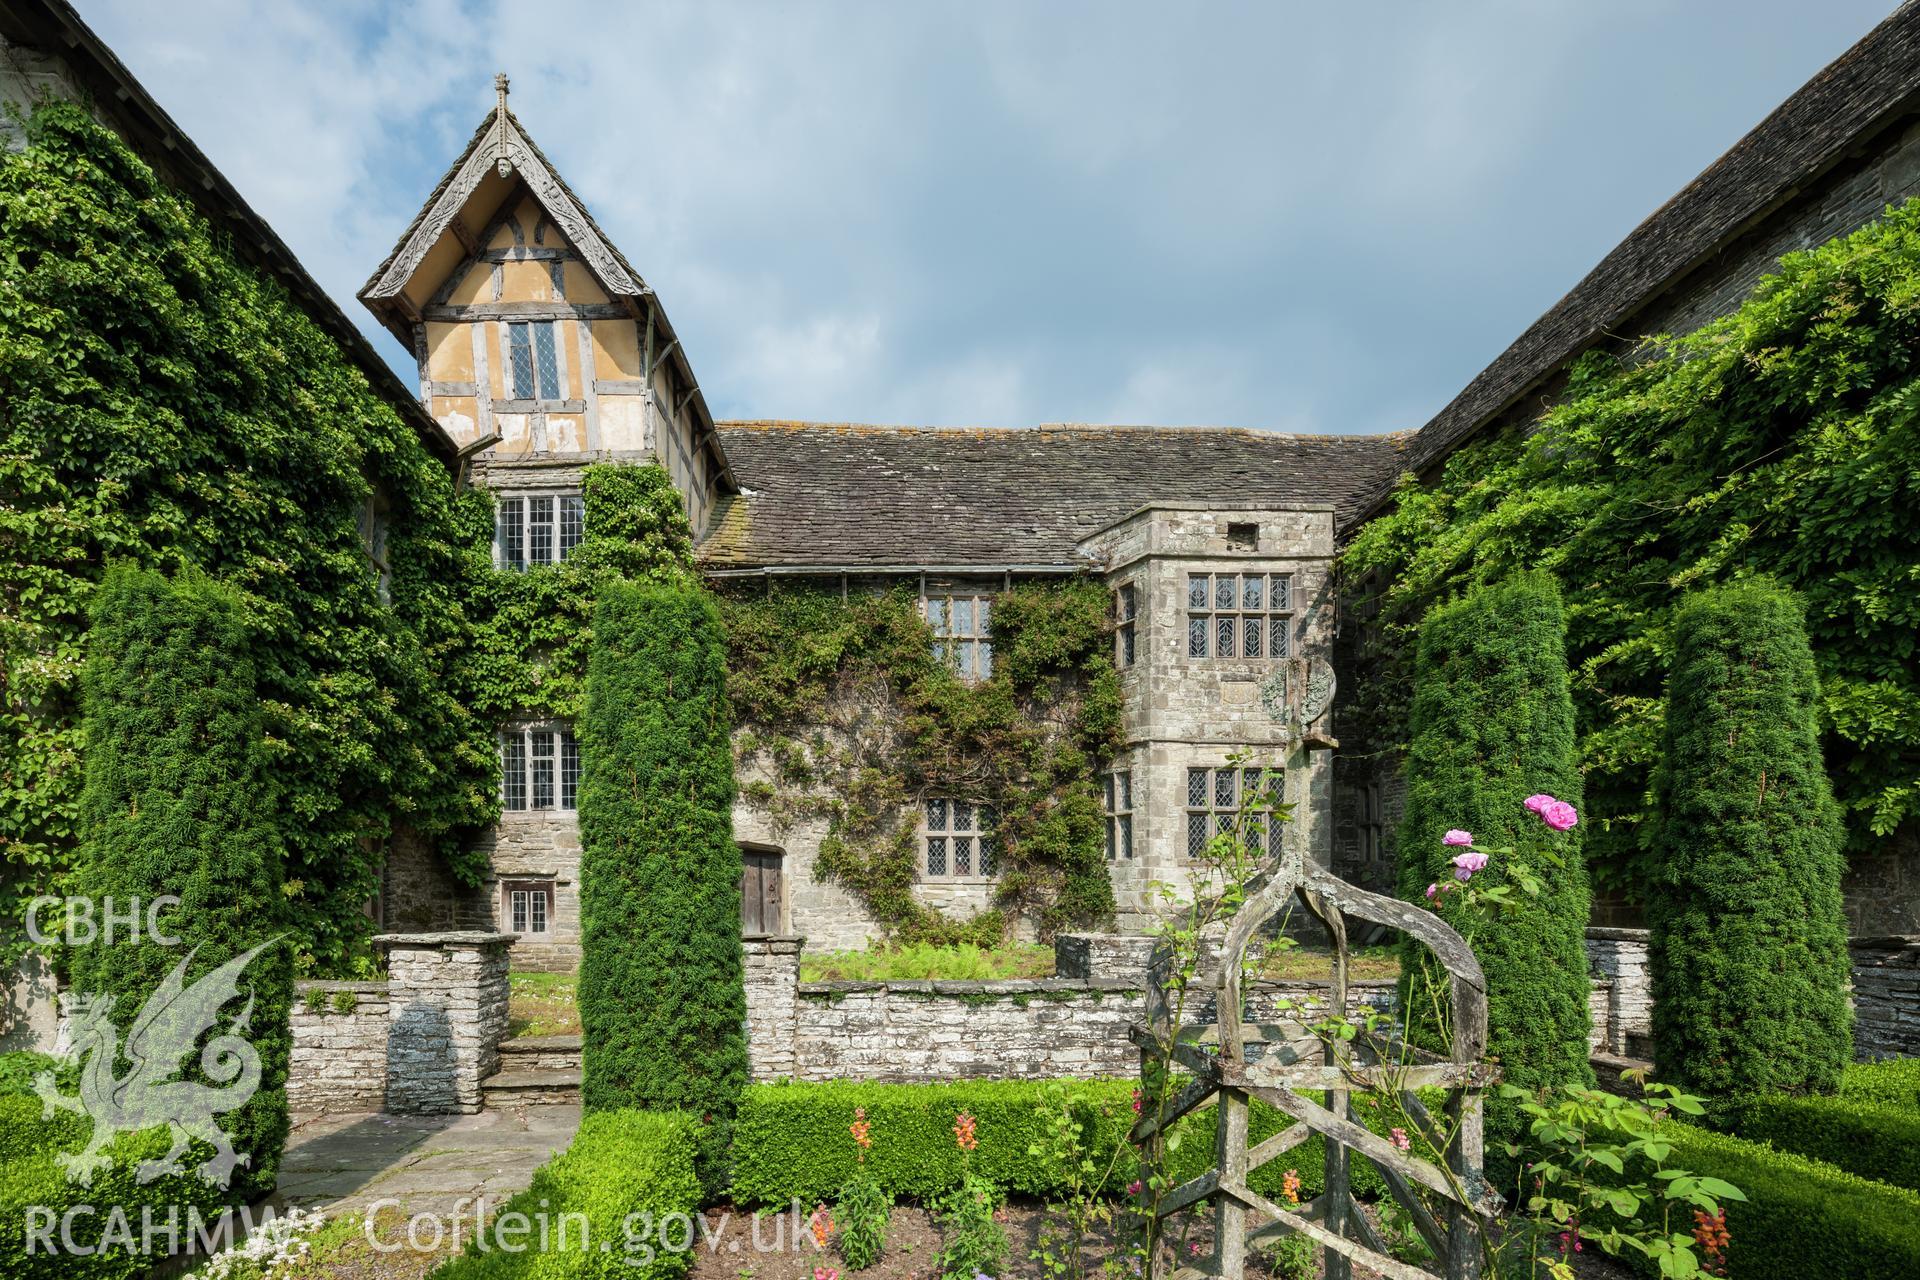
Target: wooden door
x=760, y=892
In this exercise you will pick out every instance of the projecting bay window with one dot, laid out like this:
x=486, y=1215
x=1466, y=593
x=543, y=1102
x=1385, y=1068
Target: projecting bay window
x=961, y=623
x=532, y=360
x=1239, y=615
x=1120, y=815
x=956, y=840
x=537, y=528
x=1216, y=797
x=539, y=769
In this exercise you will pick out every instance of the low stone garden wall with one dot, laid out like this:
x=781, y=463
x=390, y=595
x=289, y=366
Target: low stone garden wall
x=419, y=1043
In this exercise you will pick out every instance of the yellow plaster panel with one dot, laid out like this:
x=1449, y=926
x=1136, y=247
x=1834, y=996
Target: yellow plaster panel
x=579, y=367
x=581, y=286
x=459, y=415
x=526, y=282
x=566, y=433
x=623, y=423
x=515, y=431
x=496, y=382
x=616, y=349
x=449, y=352
x=475, y=286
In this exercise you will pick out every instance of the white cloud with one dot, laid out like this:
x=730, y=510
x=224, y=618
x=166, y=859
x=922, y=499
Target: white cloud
x=1312, y=217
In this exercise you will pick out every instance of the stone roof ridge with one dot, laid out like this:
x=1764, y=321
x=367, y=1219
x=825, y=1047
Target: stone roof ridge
x=1091, y=428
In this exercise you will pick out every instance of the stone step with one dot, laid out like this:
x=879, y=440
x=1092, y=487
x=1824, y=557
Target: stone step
x=540, y=1053
x=520, y=1087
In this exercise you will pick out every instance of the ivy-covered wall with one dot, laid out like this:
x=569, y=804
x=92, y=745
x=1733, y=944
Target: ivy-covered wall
x=1779, y=440
x=164, y=403
x=847, y=719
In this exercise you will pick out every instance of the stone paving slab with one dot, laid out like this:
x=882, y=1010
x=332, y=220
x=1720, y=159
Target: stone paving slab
x=343, y=1163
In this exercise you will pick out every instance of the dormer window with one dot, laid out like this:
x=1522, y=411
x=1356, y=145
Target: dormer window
x=530, y=355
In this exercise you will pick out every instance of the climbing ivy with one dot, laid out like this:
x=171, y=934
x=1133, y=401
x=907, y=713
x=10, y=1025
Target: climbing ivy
x=848, y=717
x=1783, y=439
x=164, y=403
x=532, y=631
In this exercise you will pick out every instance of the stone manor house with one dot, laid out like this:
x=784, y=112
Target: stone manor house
x=540, y=349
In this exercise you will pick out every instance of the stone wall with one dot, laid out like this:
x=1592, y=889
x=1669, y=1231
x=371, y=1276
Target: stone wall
x=339, y=1047
x=1624, y=1024
x=448, y=1013
x=1886, y=994
x=1886, y=997
x=773, y=979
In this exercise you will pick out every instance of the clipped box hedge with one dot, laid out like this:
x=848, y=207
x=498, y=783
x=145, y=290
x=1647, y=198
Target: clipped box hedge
x=791, y=1141
x=1871, y=1139
x=32, y=1179
x=1894, y=1083
x=622, y=1168
x=1804, y=1219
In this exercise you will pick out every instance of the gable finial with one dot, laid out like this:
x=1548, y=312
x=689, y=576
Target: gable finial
x=501, y=160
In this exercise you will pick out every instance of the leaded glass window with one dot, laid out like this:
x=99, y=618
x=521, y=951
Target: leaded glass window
x=536, y=529
x=1217, y=797
x=1119, y=786
x=539, y=768
x=962, y=632
x=532, y=360
x=956, y=840
x=1125, y=624
x=1239, y=615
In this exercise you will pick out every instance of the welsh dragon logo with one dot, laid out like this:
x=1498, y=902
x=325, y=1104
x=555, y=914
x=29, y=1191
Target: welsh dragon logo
x=146, y=1095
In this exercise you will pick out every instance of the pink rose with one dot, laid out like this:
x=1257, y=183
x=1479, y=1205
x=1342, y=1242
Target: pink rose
x=1457, y=838
x=1538, y=803
x=1468, y=863
x=1559, y=815
x=1133, y=1188
x=1398, y=1137
x=1432, y=889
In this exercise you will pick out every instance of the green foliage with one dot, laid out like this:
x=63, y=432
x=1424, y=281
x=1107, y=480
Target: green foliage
x=33, y=1183
x=180, y=800
x=1802, y=1219
x=533, y=631
x=1874, y=1140
x=662, y=1005
x=1782, y=439
x=916, y=961
x=1491, y=724
x=1071, y=1142
x=790, y=1140
x=863, y=1211
x=165, y=403
x=1749, y=943
x=1601, y=1172
x=1894, y=1083
x=625, y=1172
x=17, y=1071
x=972, y=1241
x=808, y=666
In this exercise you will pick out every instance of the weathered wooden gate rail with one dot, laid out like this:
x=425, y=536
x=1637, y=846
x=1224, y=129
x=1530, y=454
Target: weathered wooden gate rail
x=1216, y=1056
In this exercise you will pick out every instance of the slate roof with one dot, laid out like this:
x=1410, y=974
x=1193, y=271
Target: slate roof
x=839, y=494
x=1863, y=90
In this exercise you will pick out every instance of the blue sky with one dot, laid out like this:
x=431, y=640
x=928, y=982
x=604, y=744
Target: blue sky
x=1304, y=217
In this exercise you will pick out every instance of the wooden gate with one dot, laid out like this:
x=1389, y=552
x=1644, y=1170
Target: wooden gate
x=1217, y=1058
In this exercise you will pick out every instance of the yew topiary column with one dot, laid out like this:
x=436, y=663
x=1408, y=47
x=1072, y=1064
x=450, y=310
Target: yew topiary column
x=179, y=802
x=662, y=1000
x=1749, y=947
x=1491, y=724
